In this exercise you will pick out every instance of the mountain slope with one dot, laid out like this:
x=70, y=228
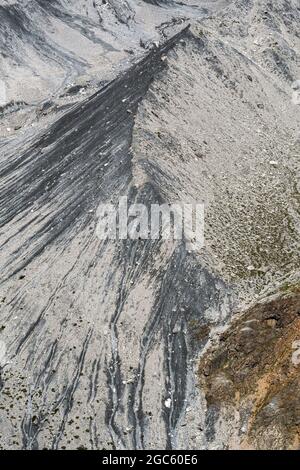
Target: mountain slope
x=103, y=339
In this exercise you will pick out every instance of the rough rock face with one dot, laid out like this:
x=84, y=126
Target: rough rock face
x=251, y=377
x=101, y=341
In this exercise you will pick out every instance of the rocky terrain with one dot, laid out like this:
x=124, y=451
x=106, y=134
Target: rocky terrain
x=147, y=344
x=251, y=379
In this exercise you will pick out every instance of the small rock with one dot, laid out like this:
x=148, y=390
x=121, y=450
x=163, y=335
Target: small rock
x=251, y=268
x=168, y=403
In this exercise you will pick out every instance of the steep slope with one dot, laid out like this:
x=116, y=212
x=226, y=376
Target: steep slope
x=102, y=338
x=47, y=45
x=76, y=341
